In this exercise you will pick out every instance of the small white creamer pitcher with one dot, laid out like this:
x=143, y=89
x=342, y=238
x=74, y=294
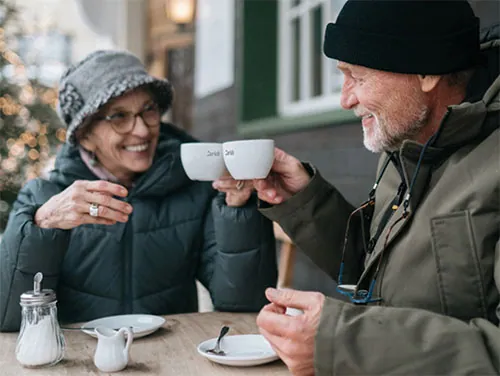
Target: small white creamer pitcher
x=112, y=352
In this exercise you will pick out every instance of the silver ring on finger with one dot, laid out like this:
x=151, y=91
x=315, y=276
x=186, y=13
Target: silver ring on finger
x=240, y=184
x=94, y=210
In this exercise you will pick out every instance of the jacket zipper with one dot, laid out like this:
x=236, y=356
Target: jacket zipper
x=127, y=266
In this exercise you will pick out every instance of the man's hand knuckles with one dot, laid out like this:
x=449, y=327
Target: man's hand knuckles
x=286, y=297
x=316, y=301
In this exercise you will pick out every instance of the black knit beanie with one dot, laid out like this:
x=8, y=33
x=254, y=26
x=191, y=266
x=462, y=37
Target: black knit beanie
x=405, y=36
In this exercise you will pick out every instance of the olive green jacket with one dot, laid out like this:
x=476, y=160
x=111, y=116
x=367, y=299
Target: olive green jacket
x=440, y=271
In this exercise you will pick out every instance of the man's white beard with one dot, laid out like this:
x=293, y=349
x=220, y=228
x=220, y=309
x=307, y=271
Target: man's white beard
x=390, y=137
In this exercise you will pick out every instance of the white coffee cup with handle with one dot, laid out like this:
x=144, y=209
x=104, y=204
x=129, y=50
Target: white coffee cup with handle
x=202, y=160
x=249, y=159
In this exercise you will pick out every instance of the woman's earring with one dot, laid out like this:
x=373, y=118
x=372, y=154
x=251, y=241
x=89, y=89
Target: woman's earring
x=93, y=159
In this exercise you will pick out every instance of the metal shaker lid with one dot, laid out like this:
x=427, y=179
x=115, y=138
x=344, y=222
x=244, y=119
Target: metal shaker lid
x=38, y=296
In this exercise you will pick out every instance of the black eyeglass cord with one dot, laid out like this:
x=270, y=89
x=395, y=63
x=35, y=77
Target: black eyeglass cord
x=397, y=200
x=371, y=195
x=406, y=201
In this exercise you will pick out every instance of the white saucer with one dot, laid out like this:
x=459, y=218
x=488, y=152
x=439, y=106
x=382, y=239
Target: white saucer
x=241, y=350
x=142, y=325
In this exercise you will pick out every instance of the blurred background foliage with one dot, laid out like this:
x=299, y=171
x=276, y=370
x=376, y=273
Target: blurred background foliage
x=30, y=130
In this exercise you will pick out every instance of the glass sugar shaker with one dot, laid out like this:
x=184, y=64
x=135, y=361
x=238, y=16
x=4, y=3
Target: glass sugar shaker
x=40, y=342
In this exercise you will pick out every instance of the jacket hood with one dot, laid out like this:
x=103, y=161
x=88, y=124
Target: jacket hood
x=478, y=115
x=166, y=174
x=486, y=74
x=467, y=123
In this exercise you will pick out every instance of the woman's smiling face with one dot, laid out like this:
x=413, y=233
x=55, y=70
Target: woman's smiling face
x=120, y=147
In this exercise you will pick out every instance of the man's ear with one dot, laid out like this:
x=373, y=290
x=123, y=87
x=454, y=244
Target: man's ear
x=428, y=82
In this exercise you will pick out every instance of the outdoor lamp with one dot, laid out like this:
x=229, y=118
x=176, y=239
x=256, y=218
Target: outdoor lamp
x=181, y=12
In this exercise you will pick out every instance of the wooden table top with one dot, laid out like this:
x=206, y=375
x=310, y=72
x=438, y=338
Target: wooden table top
x=169, y=351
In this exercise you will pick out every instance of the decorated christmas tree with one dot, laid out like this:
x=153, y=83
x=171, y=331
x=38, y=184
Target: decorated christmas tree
x=30, y=131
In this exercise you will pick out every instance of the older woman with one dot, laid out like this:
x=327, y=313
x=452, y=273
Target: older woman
x=118, y=227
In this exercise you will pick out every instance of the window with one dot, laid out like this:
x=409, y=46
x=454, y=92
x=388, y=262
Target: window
x=308, y=81
x=285, y=81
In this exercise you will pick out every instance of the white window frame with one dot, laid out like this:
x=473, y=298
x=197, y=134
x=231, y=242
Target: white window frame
x=330, y=99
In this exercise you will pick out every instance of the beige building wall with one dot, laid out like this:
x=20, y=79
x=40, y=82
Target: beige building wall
x=92, y=24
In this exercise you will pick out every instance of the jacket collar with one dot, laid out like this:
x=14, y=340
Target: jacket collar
x=477, y=116
x=462, y=124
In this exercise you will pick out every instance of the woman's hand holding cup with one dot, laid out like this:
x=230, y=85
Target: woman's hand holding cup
x=84, y=202
x=237, y=192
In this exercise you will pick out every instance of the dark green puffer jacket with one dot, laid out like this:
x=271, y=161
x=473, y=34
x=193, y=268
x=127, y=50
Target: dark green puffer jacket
x=179, y=231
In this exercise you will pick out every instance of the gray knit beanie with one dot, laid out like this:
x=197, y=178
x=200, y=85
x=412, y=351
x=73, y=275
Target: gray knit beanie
x=103, y=75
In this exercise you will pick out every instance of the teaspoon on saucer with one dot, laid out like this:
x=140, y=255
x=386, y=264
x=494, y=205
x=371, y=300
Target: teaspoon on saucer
x=217, y=350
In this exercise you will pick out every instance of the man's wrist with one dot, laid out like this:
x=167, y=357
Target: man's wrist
x=309, y=169
x=307, y=173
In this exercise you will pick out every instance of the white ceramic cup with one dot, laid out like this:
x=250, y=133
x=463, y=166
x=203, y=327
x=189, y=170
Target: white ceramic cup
x=248, y=159
x=202, y=160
